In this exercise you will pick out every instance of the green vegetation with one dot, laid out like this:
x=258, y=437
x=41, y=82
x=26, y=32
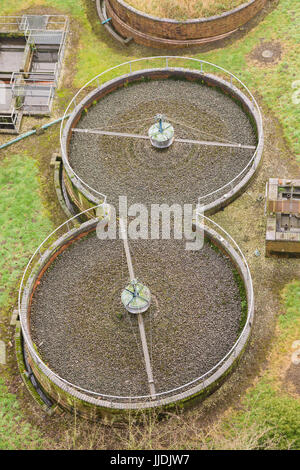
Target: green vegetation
x=23, y=227
x=273, y=83
x=275, y=414
x=15, y=433
x=23, y=224
x=291, y=320
x=69, y=6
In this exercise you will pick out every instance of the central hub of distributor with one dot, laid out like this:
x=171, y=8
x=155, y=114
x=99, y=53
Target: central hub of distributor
x=161, y=133
x=136, y=297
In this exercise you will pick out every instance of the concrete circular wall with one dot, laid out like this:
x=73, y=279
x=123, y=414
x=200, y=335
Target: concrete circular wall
x=163, y=32
x=93, y=405
x=83, y=197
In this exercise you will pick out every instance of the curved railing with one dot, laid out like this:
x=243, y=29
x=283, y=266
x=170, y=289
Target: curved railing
x=49, y=245
x=165, y=62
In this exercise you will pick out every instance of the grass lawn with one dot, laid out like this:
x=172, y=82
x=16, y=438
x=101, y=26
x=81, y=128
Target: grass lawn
x=23, y=226
x=268, y=414
x=23, y=223
x=15, y=433
x=267, y=405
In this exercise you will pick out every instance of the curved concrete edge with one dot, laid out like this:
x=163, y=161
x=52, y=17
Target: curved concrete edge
x=36, y=392
x=67, y=396
x=163, y=32
x=234, y=193
x=142, y=14
x=95, y=95
x=240, y=187
x=58, y=184
x=101, y=10
x=145, y=39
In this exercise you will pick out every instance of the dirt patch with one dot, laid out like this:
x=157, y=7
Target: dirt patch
x=292, y=377
x=266, y=53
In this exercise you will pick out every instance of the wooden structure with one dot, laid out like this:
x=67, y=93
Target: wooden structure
x=283, y=223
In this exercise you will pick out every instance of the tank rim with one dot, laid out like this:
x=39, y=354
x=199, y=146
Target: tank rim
x=223, y=195
x=224, y=241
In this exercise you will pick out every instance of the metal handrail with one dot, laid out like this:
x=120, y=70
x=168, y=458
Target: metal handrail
x=201, y=379
x=95, y=80
x=39, y=82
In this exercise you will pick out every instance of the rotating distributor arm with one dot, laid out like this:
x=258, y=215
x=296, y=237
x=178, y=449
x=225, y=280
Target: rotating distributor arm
x=136, y=299
x=162, y=135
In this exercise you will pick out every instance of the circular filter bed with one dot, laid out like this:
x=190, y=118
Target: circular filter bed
x=118, y=165
x=174, y=23
x=179, y=10
x=84, y=334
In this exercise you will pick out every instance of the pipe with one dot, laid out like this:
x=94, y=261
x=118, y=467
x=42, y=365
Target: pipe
x=33, y=131
x=106, y=21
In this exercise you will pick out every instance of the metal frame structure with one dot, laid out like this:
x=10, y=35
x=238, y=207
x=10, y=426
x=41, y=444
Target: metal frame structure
x=60, y=237
x=282, y=208
x=17, y=24
x=35, y=86
x=30, y=84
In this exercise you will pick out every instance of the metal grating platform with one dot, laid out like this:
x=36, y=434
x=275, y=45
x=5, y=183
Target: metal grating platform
x=46, y=38
x=30, y=64
x=34, y=21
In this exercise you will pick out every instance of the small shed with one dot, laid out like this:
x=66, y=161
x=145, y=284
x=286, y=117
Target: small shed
x=283, y=216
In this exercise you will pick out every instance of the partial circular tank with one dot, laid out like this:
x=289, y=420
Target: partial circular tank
x=153, y=31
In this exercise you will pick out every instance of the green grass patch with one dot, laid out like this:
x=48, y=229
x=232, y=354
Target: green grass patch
x=291, y=299
x=178, y=10
x=274, y=414
x=23, y=221
x=75, y=8
x=15, y=433
x=23, y=226
x=274, y=83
